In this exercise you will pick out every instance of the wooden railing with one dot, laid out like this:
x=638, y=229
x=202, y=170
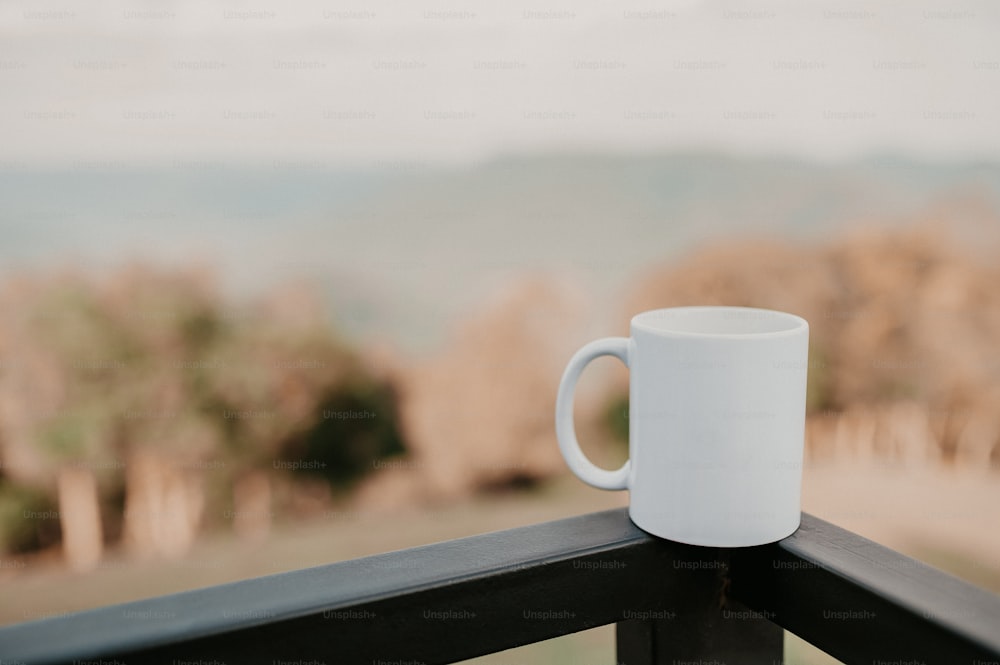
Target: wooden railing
x=673, y=604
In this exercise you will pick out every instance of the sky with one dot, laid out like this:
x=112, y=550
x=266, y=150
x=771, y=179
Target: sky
x=440, y=81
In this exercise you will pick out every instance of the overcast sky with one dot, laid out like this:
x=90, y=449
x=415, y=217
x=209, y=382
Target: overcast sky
x=439, y=80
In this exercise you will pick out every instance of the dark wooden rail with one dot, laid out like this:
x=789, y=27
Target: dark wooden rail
x=672, y=603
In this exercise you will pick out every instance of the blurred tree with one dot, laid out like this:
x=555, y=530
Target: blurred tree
x=118, y=396
x=361, y=418
x=59, y=435
x=903, y=330
x=479, y=414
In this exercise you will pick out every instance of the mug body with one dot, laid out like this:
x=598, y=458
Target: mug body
x=716, y=424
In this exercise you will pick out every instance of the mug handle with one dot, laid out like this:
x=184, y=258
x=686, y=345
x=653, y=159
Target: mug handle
x=578, y=463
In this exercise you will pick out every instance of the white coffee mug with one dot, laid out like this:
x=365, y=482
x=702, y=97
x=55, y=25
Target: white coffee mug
x=717, y=399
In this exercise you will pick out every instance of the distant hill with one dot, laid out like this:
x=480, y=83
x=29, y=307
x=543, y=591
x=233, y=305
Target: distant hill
x=403, y=248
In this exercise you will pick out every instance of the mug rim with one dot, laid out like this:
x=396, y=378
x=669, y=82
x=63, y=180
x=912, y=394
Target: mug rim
x=795, y=324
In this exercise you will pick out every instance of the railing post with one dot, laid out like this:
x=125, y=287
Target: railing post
x=699, y=623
